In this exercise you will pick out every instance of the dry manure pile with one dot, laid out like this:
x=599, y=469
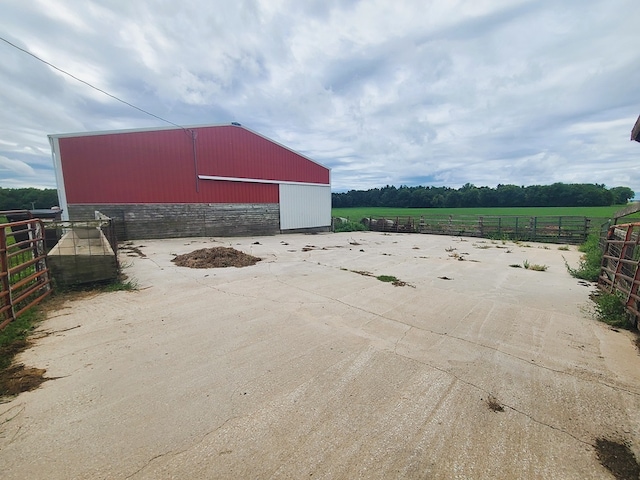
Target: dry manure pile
x=217, y=257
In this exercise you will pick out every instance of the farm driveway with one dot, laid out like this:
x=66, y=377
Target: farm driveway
x=300, y=367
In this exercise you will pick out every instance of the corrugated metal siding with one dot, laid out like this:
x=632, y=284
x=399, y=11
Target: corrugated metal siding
x=159, y=167
x=129, y=168
x=304, y=206
x=237, y=152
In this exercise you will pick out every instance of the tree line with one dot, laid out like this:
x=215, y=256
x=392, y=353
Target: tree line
x=28, y=198
x=555, y=195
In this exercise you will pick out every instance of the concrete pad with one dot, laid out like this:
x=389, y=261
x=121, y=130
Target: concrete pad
x=299, y=367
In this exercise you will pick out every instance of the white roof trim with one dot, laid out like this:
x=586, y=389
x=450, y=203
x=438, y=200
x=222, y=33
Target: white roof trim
x=260, y=180
x=57, y=168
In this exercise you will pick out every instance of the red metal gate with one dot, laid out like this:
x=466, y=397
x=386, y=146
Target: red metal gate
x=24, y=276
x=620, y=272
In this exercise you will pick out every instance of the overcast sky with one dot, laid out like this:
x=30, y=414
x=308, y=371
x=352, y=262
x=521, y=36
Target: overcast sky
x=383, y=92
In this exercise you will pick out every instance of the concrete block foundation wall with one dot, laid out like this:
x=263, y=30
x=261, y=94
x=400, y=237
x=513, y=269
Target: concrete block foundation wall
x=140, y=221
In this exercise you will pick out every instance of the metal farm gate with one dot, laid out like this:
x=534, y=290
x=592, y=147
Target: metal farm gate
x=24, y=276
x=620, y=273
x=559, y=229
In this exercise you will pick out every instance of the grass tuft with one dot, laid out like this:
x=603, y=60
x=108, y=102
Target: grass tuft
x=589, y=267
x=348, y=227
x=387, y=278
x=610, y=309
x=537, y=268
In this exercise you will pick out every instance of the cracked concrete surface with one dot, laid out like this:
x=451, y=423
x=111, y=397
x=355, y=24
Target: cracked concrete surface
x=300, y=367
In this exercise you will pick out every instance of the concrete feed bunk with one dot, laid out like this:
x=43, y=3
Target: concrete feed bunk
x=83, y=255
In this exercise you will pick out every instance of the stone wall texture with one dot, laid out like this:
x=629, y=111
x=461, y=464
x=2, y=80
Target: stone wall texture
x=163, y=220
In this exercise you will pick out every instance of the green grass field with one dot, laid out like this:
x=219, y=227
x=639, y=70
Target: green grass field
x=596, y=214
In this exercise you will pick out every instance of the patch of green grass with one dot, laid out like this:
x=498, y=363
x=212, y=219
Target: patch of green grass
x=121, y=285
x=589, y=266
x=13, y=338
x=349, y=227
x=387, y=278
x=610, y=309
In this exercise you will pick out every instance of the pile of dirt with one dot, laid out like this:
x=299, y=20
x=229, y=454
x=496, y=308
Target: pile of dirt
x=217, y=257
x=18, y=378
x=15, y=379
x=618, y=458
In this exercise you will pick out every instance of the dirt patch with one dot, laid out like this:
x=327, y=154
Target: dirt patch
x=12, y=349
x=59, y=300
x=494, y=404
x=217, y=257
x=133, y=251
x=18, y=378
x=618, y=458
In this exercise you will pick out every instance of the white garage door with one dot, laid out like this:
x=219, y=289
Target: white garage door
x=304, y=206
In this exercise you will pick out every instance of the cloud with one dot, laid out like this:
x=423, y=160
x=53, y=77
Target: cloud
x=482, y=92
x=15, y=167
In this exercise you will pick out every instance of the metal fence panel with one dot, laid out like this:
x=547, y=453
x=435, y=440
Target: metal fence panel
x=620, y=273
x=24, y=276
x=561, y=229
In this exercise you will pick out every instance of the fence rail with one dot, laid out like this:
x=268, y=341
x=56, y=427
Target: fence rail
x=24, y=276
x=620, y=273
x=561, y=229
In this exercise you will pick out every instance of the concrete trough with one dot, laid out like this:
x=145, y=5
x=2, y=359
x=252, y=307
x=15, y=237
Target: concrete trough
x=83, y=255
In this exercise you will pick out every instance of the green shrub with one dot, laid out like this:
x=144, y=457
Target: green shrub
x=348, y=227
x=589, y=266
x=610, y=309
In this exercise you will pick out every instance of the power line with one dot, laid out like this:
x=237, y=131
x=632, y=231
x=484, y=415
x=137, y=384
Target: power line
x=88, y=84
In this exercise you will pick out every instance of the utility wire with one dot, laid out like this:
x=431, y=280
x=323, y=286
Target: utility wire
x=88, y=84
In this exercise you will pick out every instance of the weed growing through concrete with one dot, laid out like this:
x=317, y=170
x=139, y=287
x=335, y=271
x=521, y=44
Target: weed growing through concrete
x=384, y=278
x=589, y=266
x=387, y=278
x=610, y=309
x=534, y=266
x=537, y=268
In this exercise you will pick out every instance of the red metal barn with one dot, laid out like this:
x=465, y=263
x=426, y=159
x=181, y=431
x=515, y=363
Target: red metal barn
x=223, y=180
